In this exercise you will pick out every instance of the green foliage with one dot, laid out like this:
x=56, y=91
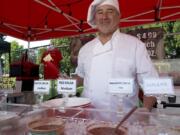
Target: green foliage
x=16, y=51
x=172, y=42
x=5, y=63
x=65, y=63
x=60, y=42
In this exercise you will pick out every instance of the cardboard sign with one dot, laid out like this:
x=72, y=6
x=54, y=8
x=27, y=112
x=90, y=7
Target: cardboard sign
x=121, y=86
x=41, y=86
x=158, y=86
x=66, y=86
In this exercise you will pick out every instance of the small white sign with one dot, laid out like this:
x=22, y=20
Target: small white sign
x=158, y=86
x=41, y=86
x=66, y=86
x=121, y=86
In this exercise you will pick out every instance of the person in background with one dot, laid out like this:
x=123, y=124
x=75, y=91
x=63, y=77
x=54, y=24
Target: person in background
x=112, y=54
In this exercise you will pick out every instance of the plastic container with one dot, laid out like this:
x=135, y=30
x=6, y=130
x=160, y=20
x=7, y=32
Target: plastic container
x=105, y=129
x=47, y=126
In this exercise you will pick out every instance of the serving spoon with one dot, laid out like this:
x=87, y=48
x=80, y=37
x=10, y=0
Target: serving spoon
x=125, y=118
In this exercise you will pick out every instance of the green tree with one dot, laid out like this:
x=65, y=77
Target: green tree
x=16, y=51
x=172, y=42
x=15, y=55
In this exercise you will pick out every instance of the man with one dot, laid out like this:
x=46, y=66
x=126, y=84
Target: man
x=112, y=55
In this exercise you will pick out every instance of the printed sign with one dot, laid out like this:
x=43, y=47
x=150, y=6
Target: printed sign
x=158, y=86
x=41, y=87
x=66, y=86
x=121, y=86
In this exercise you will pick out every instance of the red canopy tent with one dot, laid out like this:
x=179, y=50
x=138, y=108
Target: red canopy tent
x=44, y=19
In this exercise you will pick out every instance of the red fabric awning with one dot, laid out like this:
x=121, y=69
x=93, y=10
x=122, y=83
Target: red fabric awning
x=44, y=19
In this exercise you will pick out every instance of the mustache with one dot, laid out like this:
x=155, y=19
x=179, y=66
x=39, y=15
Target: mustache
x=105, y=21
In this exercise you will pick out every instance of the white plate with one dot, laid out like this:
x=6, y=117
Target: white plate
x=71, y=102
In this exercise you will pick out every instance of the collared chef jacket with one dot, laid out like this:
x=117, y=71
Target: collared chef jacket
x=123, y=56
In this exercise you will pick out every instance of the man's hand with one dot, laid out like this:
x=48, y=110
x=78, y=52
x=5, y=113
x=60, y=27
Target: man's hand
x=149, y=102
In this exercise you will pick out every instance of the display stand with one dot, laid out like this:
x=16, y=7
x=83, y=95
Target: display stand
x=66, y=87
x=41, y=87
x=121, y=87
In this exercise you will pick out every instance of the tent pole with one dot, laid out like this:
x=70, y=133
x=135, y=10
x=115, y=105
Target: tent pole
x=27, y=52
x=28, y=44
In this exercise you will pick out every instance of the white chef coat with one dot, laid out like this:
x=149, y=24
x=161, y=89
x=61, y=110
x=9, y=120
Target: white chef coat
x=100, y=72
x=122, y=56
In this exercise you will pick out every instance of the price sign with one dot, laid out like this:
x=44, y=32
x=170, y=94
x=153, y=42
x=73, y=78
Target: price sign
x=121, y=86
x=66, y=86
x=152, y=37
x=41, y=87
x=158, y=86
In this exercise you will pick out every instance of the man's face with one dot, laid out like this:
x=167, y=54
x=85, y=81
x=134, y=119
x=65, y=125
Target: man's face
x=106, y=19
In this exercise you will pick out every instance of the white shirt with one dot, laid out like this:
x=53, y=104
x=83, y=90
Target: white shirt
x=122, y=56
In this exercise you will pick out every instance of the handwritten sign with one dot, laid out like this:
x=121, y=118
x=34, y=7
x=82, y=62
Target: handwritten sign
x=42, y=87
x=158, y=86
x=121, y=86
x=152, y=38
x=66, y=86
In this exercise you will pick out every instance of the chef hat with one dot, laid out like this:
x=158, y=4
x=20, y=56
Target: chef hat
x=92, y=9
